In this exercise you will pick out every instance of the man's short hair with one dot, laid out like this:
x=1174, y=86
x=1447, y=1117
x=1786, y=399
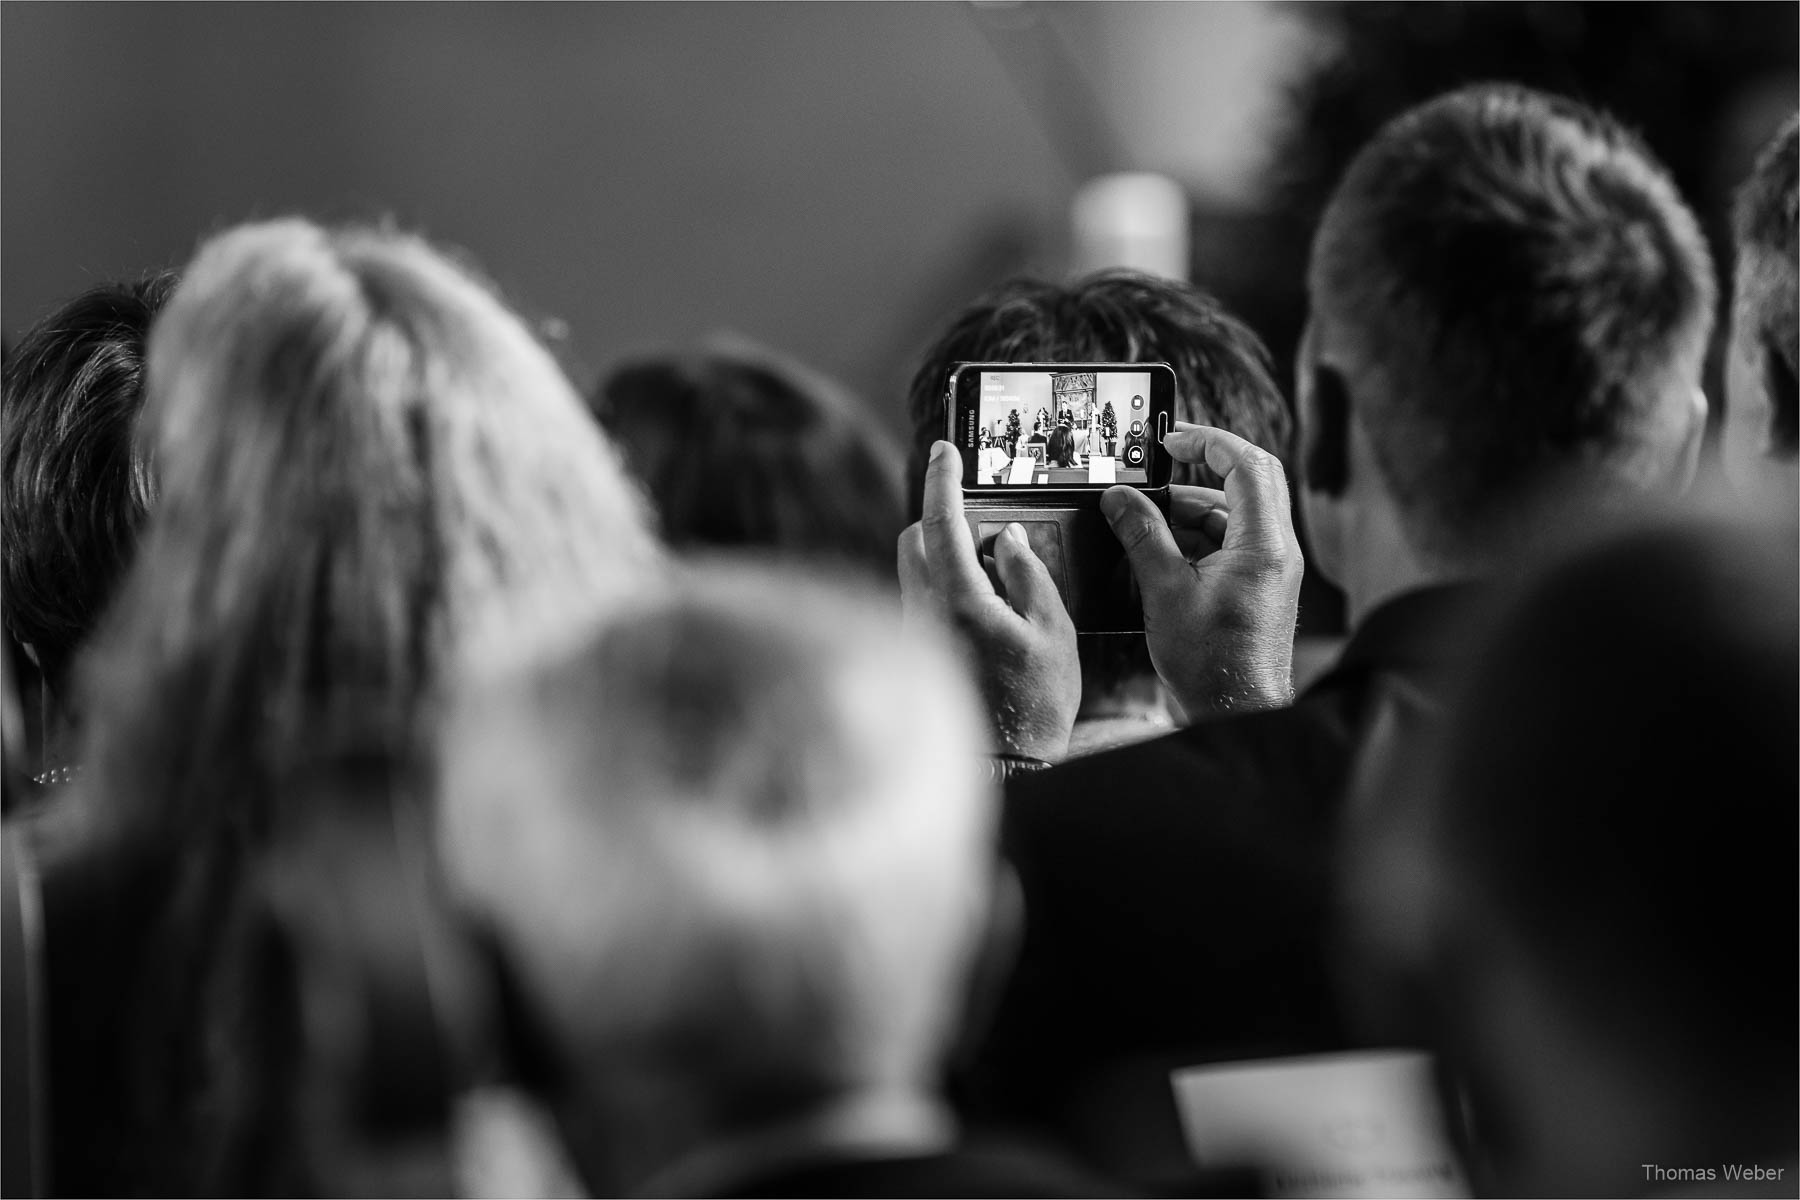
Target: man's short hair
x=76, y=488
x=1517, y=296
x=1221, y=367
x=1768, y=277
x=735, y=841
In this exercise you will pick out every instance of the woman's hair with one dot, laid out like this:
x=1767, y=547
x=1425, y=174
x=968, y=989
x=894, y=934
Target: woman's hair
x=740, y=449
x=1061, y=451
x=370, y=474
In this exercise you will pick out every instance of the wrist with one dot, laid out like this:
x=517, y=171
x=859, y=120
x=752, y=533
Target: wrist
x=1223, y=693
x=1002, y=767
x=1043, y=745
x=1049, y=750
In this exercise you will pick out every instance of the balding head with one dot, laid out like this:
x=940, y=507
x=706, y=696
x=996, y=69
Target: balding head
x=737, y=843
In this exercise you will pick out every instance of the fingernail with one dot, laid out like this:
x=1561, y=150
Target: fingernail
x=1016, y=532
x=938, y=450
x=1110, y=504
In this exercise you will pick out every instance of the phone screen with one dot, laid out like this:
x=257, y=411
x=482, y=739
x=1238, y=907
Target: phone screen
x=1062, y=426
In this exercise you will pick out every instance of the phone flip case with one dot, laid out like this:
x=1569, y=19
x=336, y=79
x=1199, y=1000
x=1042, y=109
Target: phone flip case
x=1071, y=535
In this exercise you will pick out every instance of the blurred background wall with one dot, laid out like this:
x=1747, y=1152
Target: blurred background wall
x=831, y=178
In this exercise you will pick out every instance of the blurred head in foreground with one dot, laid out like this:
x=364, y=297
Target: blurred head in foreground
x=1608, y=856
x=737, y=851
x=370, y=475
x=740, y=449
x=1510, y=306
x=1762, y=402
x=1221, y=367
x=76, y=485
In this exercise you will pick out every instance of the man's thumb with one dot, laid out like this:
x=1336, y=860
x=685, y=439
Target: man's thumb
x=1029, y=588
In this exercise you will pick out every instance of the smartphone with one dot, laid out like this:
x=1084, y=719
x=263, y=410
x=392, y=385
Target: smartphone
x=1040, y=443
x=1035, y=428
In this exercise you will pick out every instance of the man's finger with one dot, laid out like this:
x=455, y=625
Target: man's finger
x=1198, y=516
x=1029, y=588
x=949, y=550
x=1156, y=560
x=1255, y=484
x=915, y=575
x=992, y=571
x=1189, y=505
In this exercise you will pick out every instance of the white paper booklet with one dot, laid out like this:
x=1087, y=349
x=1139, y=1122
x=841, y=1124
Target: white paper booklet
x=1359, y=1124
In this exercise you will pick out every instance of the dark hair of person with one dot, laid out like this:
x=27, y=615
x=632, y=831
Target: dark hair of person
x=1620, y=794
x=1517, y=281
x=1061, y=451
x=1221, y=367
x=75, y=489
x=1765, y=218
x=15, y=779
x=738, y=448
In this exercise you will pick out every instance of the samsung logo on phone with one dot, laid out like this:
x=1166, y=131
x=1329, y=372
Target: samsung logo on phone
x=969, y=433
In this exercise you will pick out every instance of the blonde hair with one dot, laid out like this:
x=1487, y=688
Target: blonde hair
x=370, y=476
x=738, y=843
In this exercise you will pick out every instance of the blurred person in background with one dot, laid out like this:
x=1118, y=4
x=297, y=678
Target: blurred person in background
x=1594, y=871
x=24, y=1114
x=739, y=448
x=370, y=475
x=1762, y=403
x=75, y=493
x=1510, y=308
x=1221, y=379
x=737, y=849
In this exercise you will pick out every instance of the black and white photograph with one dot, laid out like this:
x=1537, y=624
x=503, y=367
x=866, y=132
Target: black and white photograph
x=900, y=598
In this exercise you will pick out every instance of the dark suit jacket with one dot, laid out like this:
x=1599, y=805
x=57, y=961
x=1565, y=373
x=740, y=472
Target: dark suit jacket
x=983, y=1169
x=1177, y=896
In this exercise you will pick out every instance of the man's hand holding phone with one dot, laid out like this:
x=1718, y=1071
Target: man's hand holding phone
x=1220, y=577
x=1220, y=581
x=1019, y=631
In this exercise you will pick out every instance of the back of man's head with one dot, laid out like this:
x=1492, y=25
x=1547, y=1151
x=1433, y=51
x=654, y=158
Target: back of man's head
x=76, y=488
x=1612, y=835
x=1763, y=405
x=1221, y=367
x=1516, y=299
x=736, y=843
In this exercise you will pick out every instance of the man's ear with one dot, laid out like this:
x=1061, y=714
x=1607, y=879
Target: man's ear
x=1688, y=463
x=1325, y=430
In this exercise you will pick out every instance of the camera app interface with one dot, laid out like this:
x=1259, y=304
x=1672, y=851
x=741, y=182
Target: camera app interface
x=1063, y=430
